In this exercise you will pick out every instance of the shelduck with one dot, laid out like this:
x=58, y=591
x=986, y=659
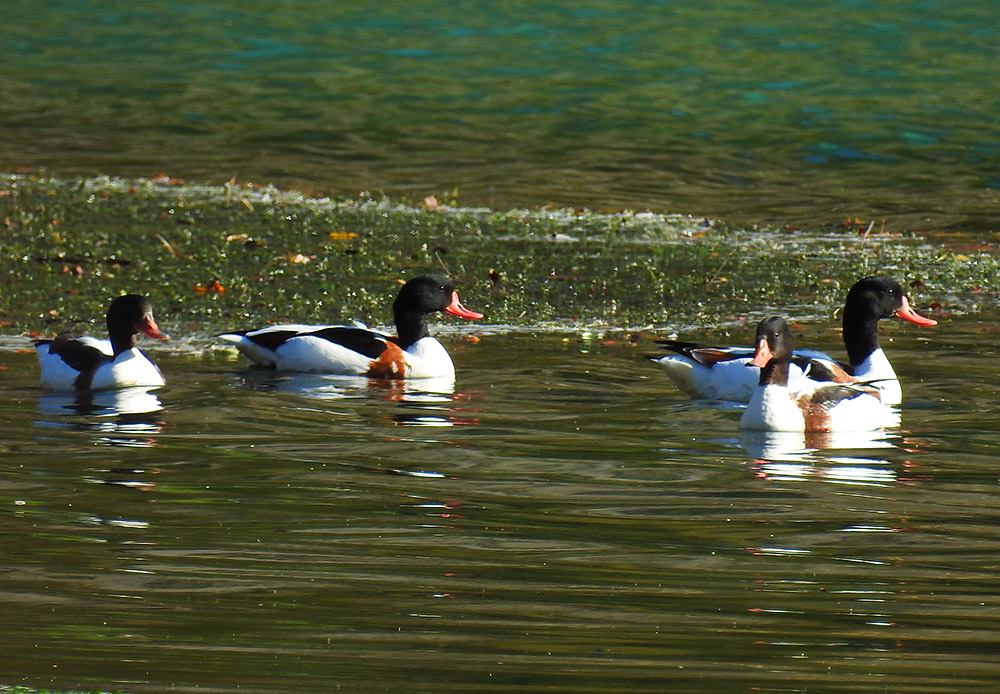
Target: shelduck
x=810, y=406
x=726, y=373
x=72, y=363
x=352, y=350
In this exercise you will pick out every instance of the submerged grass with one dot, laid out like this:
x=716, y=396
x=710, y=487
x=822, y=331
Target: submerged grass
x=214, y=258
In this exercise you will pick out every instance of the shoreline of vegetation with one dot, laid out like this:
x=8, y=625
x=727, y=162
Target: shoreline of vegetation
x=220, y=257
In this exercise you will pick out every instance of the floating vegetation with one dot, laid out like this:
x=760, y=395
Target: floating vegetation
x=221, y=257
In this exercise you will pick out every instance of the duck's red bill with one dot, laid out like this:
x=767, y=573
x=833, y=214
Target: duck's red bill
x=455, y=308
x=762, y=355
x=149, y=328
x=908, y=314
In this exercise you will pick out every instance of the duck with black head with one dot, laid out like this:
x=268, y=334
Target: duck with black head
x=358, y=351
x=722, y=373
x=807, y=406
x=75, y=363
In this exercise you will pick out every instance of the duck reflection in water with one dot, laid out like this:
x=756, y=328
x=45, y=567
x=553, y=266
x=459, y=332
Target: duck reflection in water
x=122, y=417
x=843, y=457
x=426, y=402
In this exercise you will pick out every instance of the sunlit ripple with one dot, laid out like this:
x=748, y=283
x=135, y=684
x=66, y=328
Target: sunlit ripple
x=104, y=403
x=423, y=402
x=825, y=456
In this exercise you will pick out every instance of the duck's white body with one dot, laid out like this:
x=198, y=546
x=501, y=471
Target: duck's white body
x=306, y=352
x=715, y=373
x=130, y=368
x=357, y=351
x=87, y=363
x=725, y=373
x=781, y=408
x=778, y=404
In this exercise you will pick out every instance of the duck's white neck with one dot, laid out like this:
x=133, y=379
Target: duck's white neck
x=427, y=358
x=876, y=368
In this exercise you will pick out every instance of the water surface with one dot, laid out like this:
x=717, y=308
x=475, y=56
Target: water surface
x=564, y=520
x=768, y=110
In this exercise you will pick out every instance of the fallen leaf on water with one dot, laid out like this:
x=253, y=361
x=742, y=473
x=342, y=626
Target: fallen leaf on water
x=164, y=179
x=212, y=287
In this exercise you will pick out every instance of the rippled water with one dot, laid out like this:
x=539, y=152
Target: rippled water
x=767, y=110
x=563, y=521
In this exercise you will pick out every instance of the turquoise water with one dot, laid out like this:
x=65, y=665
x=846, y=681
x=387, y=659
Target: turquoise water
x=796, y=113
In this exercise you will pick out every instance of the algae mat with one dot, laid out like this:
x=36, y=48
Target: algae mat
x=218, y=257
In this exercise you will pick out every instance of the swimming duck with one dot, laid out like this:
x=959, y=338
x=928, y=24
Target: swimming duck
x=722, y=373
x=72, y=363
x=811, y=407
x=352, y=350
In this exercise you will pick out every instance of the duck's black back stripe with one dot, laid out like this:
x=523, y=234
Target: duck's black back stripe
x=84, y=358
x=362, y=341
x=358, y=339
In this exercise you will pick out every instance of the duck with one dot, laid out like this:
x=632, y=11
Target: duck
x=726, y=373
x=810, y=406
x=354, y=350
x=85, y=363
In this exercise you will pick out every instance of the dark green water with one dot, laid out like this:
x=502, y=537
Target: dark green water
x=564, y=521
x=771, y=110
